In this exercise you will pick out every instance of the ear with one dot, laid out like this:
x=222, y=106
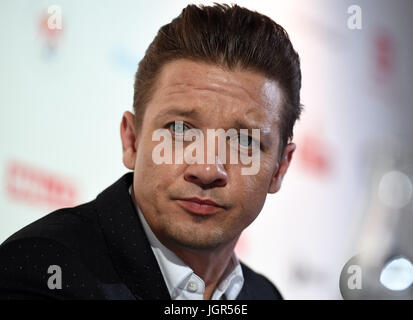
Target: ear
x=128, y=137
x=282, y=168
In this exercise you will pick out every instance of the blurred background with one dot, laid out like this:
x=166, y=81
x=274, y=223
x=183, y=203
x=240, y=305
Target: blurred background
x=64, y=87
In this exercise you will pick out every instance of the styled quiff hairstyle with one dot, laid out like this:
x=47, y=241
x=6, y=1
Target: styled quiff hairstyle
x=232, y=37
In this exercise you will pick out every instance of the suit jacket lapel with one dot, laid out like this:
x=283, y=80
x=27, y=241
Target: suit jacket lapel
x=245, y=293
x=128, y=246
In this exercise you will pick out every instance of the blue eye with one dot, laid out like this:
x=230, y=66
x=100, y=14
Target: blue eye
x=245, y=141
x=178, y=127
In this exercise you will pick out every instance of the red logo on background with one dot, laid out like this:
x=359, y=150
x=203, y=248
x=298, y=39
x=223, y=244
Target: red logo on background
x=25, y=183
x=383, y=55
x=313, y=155
x=50, y=37
x=242, y=245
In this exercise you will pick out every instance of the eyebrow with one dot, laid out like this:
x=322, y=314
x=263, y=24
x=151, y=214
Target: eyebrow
x=180, y=112
x=238, y=124
x=264, y=132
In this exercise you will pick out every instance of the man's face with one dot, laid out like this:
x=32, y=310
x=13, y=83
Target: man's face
x=219, y=99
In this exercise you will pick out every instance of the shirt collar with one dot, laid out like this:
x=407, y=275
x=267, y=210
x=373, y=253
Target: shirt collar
x=177, y=274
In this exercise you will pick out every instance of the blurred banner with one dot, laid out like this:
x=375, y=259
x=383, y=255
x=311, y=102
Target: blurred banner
x=67, y=71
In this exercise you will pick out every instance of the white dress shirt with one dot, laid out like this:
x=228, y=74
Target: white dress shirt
x=181, y=281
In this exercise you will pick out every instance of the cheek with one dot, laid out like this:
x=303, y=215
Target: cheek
x=155, y=177
x=251, y=194
x=146, y=178
x=253, y=189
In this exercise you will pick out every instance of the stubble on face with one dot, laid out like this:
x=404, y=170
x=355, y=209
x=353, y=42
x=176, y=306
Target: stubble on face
x=221, y=95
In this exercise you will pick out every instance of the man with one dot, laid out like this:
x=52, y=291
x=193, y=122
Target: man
x=168, y=230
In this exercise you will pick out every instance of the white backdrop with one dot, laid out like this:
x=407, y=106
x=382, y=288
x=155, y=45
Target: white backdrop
x=63, y=92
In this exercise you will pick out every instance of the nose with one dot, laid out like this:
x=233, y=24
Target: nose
x=207, y=175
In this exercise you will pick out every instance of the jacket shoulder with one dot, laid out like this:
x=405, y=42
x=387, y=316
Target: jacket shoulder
x=42, y=268
x=60, y=225
x=68, y=238
x=257, y=287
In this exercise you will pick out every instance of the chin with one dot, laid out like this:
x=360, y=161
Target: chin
x=196, y=239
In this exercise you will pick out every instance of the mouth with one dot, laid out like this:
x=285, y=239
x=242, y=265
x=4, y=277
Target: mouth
x=200, y=206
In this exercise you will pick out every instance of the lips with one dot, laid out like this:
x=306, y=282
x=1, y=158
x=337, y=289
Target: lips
x=203, y=201
x=200, y=206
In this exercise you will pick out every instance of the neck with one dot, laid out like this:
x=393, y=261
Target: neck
x=209, y=264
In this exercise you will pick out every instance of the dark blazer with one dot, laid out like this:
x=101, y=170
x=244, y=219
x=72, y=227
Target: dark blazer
x=102, y=252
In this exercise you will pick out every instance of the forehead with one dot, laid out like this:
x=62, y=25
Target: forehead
x=221, y=94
